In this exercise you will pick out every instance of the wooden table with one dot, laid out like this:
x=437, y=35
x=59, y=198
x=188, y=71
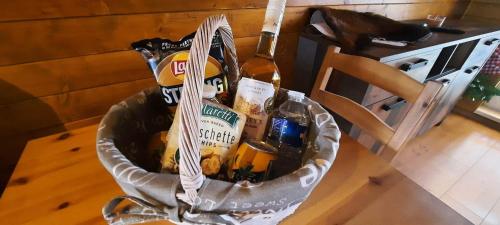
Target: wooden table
x=59, y=180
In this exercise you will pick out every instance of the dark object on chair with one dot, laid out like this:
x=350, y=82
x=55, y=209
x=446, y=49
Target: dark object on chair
x=355, y=30
x=447, y=30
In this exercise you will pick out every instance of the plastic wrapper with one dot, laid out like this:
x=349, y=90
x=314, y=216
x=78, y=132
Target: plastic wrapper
x=167, y=60
x=220, y=133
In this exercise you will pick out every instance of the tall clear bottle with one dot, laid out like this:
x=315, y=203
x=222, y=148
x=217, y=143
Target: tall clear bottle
x=260, y=80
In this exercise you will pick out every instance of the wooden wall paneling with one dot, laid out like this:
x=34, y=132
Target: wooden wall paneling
x=453, y=10
x=418, y=11
x=373, y=8
x=33, y=9
x=50, y=9
x=401, y=12
x=16, y=73
x=51, y=77
x=62, y=108
x=94, y=35
x=60, y=38
x=80, y=102
x=484, y=11
x=30, y=80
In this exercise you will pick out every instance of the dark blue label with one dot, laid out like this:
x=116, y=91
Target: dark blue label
x=286, y=131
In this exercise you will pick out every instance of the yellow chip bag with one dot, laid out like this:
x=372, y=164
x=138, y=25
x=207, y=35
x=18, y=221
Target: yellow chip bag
x=220, y=132
x=167, y=60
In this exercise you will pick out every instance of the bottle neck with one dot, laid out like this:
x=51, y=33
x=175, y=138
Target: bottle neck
x=271, y=28
x=274, y=15
x=266, y=46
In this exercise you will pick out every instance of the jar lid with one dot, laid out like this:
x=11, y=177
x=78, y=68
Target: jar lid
x=209, y=91
x=261, y=146
x=295, y=95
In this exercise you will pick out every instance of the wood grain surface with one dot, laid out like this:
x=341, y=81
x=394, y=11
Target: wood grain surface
x=60, y=38
x=56, y=50
x=59, y=180
x=32, y=9
x=67, y=107
x=485, y=11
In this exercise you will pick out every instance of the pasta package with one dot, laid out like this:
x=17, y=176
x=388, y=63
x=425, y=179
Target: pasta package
x=167, y=60
x=220, y=132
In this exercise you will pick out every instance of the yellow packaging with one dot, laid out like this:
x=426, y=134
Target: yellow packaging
x=220, y=132
x=258, y=154
x=252, y=161
x=167, y=60
x=171, y=72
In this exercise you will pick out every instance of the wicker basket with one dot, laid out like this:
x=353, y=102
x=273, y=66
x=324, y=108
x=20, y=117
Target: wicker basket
x=191, y=198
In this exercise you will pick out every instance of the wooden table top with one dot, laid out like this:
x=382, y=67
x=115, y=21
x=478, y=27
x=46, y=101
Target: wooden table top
x=59, y=180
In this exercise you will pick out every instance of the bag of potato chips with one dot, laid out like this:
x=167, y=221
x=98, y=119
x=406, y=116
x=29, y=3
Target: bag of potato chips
x=167, y=59
x=220, y=133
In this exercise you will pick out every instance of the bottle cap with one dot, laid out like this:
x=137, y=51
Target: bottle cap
x=274, y=16
x=209, y=91
x=295, y=96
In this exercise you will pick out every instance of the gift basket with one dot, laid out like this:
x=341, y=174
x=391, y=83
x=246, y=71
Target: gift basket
x=193, y=197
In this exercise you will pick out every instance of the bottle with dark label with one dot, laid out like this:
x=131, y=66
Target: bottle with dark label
x=288, y=132
x=260, y=80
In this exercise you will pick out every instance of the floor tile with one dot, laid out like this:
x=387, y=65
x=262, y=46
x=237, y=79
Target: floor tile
x=469, y=149
x=435, y=173
x=493, y=218
x=461, y=209
x=459, y=162
x=479, y=188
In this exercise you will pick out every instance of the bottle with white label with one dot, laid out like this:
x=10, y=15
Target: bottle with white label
x=260, y=80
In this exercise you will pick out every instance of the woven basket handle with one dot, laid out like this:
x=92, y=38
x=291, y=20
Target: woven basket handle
x=191, y=101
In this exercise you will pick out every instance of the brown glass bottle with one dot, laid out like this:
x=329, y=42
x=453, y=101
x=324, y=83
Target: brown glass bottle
x=262, y=66
x=260, y=80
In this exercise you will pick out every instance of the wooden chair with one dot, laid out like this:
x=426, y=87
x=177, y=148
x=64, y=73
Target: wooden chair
x=422, y=97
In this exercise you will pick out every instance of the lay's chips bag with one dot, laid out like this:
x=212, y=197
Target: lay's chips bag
x=167, y=59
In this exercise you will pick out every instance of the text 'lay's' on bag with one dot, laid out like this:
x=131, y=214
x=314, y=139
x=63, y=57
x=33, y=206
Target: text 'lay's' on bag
x=167, y=59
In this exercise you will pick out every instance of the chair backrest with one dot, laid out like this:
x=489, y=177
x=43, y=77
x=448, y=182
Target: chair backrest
x=422, y=98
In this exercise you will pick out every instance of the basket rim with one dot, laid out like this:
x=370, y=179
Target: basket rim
x=174, y=178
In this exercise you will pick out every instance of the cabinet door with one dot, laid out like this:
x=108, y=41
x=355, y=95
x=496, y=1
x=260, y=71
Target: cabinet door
x=443, y=107
x=482, y=52
x=391, y=110
x=459, y=82
x=416, y=67
x=456, y=89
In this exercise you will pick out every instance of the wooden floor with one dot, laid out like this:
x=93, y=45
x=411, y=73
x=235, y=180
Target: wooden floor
x=459, y=162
